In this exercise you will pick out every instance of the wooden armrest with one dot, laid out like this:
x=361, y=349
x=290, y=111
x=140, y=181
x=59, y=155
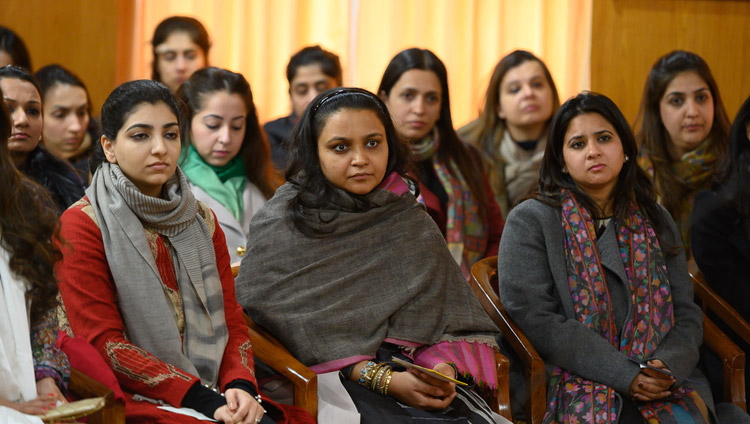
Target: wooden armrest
x=86, y=387
x=482, y=274
x=501, y=402
x=733, y=359
x=272, y=352
x=717, y=304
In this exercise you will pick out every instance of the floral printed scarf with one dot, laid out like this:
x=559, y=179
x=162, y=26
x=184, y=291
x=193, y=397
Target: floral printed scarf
x=695, y=170
x=465, y=231
x=576, y=399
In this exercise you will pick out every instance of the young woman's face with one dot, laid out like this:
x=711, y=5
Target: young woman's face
x=353, y=150
x=525, y=97
x=414, y=103
x=308, y=82
x=217, y=130
x=177, y=58
x=593, y=153
x=25, y=106
x=687, y=111
x=66, y=118
x=147, y=147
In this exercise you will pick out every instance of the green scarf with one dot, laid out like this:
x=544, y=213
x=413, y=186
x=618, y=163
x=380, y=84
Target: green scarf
x=225, y=184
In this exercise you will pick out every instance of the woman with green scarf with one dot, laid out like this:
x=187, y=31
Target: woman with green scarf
x=227, y=161
x=683, y=132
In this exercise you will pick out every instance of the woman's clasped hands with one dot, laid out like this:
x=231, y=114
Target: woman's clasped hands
x=650, y=385
x=241, y=407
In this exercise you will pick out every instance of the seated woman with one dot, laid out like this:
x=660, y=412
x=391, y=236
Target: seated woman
x=68, y=131
x=145, y=274
x=720, y=229
x=33, y=371
x=606, y=286
x=684, y=132
x=348, y=271
x=22, y=96
x=452, y=184
x=227, y=160
x=511, y=130
x=180, y=46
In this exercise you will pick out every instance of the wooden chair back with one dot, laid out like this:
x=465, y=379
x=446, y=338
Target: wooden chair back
x=733, y=358
x=710, y=300
x=483, y=277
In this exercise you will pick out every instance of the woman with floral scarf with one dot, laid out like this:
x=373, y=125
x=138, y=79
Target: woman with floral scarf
x=683, y=132
x=605, y=298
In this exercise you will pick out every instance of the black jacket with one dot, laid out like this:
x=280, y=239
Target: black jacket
x=59, y=178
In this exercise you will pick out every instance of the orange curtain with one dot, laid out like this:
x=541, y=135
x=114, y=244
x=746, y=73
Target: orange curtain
x=257, y=37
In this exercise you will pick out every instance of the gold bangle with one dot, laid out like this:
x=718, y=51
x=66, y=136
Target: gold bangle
x=387, y=383
x=378, y=376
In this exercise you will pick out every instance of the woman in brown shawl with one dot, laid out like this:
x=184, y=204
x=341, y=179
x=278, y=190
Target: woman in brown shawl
x=349, y=271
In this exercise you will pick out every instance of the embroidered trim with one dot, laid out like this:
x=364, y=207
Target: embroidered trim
x=115, y=349
x=245, y=349
x=208, y=216
x=152, y=238
x=87, y=209
x=176, y=301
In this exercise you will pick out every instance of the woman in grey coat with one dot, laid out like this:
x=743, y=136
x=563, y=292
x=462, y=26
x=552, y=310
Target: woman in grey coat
x=604, y=291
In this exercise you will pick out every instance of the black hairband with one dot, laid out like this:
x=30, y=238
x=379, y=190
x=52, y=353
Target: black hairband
x=343, y=92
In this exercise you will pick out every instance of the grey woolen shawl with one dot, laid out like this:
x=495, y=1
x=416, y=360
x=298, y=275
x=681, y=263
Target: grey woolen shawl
x=383, y=273
x=123, y=212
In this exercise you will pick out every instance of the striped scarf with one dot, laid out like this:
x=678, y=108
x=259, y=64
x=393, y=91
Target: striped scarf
x=122, y=212
x=465, y=231
x=576, y=399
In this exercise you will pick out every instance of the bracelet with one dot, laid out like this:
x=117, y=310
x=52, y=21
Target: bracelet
x=367, y=374
x=363, y=375
x=376, y=380
x=384, y=391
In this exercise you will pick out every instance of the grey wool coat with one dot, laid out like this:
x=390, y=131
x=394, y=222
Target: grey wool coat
x=235, y=232
x=533, y=287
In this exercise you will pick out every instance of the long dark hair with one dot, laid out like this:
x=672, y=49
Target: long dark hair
x=28, y=225
x=315, y=191
x=14, y=45
x=633, y=184
x=653, y=136
x=451, y=147
x=489, y=123
x=733, y=178
x=123, y=101
x=255, y=151
x=191, y=26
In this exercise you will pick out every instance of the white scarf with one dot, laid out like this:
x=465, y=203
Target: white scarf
x=521, y=167
x=16, y=361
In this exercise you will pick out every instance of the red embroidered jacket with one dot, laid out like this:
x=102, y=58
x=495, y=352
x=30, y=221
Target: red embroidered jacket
x=90, y=297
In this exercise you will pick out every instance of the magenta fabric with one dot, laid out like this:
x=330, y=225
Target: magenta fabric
x=473, y=359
